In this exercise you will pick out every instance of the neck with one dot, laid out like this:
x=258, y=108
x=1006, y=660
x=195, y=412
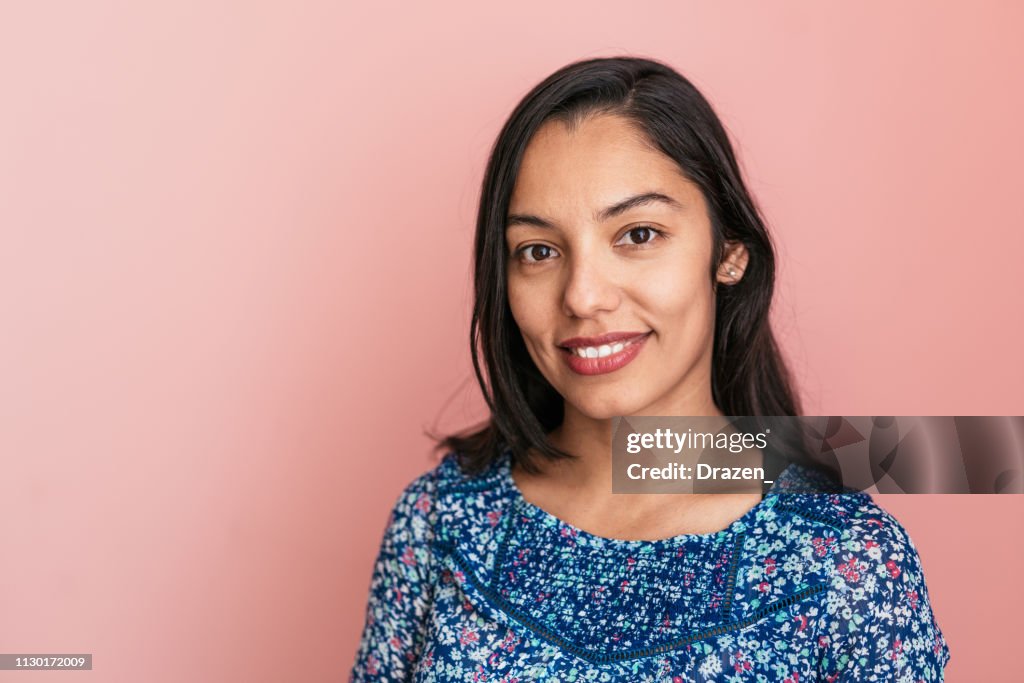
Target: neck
x=590, y=440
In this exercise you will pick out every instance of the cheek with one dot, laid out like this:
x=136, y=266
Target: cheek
x=674, y=292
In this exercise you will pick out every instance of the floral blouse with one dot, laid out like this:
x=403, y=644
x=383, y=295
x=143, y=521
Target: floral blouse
x=475, y=584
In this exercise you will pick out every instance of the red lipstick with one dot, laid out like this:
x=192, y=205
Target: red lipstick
x=604, y=353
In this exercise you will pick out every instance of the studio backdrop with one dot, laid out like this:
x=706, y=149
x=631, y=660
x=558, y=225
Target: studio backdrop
x=235, y=267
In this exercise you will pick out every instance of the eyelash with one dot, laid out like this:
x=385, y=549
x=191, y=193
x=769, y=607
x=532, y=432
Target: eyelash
x=658, y=235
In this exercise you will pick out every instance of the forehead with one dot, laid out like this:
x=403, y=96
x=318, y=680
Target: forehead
x=604, y=159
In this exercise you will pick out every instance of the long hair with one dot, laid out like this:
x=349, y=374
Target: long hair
x=749, y=376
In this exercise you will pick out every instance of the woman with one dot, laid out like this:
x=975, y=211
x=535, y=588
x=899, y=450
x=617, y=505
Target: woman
x=622, y=268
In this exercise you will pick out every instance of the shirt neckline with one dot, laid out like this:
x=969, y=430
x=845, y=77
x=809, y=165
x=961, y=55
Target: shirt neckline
x=583, y=537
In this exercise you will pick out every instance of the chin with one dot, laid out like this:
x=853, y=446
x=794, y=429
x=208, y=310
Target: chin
x=598, y=407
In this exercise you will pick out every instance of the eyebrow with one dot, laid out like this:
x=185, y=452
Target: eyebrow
x=604, y=214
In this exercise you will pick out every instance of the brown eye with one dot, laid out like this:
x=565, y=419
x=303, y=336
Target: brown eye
x=640, y=235
x=537, y=252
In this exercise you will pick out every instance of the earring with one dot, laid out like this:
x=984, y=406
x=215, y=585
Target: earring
x=732, y=272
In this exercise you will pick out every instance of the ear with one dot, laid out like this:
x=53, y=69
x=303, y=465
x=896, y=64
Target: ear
x=730, y=270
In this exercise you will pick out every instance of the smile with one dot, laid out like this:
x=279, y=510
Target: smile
x=604, y=354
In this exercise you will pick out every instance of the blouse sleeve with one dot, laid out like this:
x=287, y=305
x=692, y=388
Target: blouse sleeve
x=400, y=591
x=879, y=621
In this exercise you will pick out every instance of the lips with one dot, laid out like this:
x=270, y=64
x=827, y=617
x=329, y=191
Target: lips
x=602, y=354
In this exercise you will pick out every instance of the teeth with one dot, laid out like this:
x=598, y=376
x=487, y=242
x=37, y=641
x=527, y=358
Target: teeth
x=598, y=351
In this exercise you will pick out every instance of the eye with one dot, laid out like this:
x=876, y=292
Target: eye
x=535, y=253
x=640, y=236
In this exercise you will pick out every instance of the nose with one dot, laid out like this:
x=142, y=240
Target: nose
x=590, y=288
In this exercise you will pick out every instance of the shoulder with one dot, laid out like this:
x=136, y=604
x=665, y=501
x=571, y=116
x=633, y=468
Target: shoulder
x=868, y=539
x=877, y=615
x=447, y=476
x=854, y=545
x=872, y=542
x=817, y=497
x=418, y=498
x=423, y=500
x=876, y=555
x=807, y=533
x=447, y=511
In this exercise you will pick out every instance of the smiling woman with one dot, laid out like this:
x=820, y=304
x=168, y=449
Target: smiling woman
x=610, y=243
x=622, y=269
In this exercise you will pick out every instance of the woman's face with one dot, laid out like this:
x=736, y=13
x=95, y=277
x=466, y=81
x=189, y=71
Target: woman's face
x=609, y=253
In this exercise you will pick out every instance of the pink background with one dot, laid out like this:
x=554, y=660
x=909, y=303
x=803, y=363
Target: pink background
x=235, y=247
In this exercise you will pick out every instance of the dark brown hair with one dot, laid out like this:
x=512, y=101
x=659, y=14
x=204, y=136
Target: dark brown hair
x=749, y=376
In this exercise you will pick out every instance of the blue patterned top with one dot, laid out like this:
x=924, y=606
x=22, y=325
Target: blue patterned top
x=475, y=584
